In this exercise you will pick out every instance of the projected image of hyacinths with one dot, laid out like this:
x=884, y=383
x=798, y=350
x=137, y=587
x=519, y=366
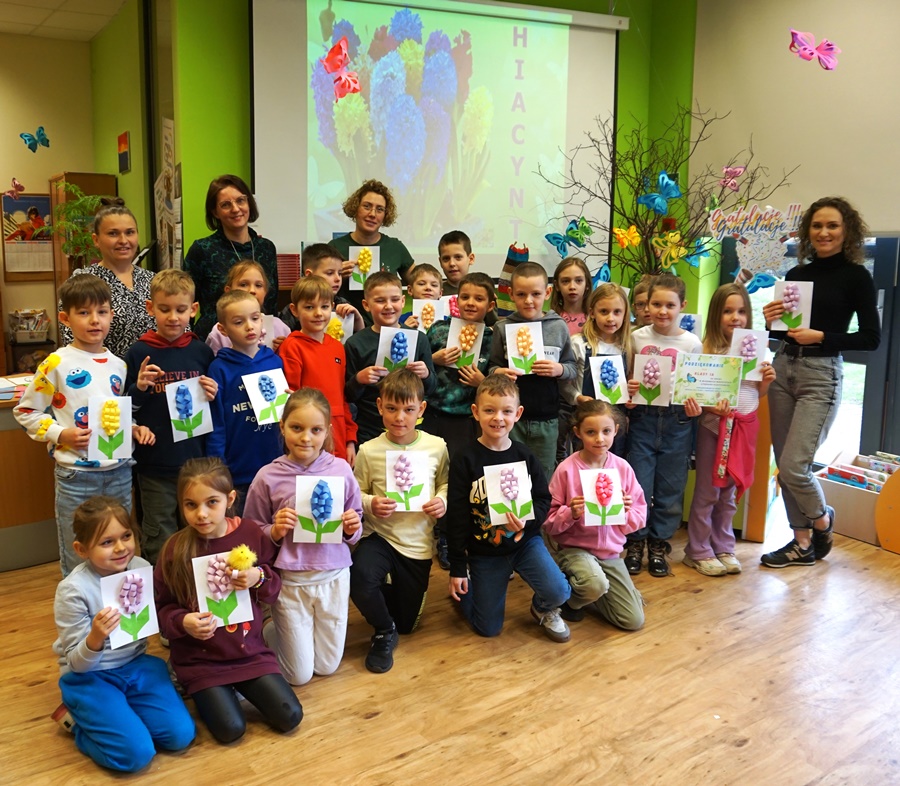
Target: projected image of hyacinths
x=404, y=479
x=272, y=397
x=135, y=613
x=604, y=490
x=649, y=388
x=609, y=382
x=364, y=265
x=321, y=503
x=399, y=352
x=748, y=353
x=187, y=420
x=222, y=598
x=468, y=335
x=110, y=422
x=790, y=299
x=509, y=488
x=525, y=357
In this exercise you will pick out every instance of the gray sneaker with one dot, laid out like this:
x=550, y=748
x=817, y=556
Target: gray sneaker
x=552, y=623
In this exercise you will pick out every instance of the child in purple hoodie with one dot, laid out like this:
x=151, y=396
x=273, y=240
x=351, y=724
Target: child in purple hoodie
x=310, y=616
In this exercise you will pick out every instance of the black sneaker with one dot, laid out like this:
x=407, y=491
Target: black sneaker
x=569, y=614
x=788, y=555
x=823, y=539
x=443, y=554
x=656, y=557
x=381, y=653
x=634, y=556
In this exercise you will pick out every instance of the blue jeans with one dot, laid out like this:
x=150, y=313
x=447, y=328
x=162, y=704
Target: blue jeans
x=485, y=602
x=74, y=486
x=803, y=403
x=123, y=716
x=659, y=449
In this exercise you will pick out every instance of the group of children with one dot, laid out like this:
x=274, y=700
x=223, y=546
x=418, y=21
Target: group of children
x=348, y=417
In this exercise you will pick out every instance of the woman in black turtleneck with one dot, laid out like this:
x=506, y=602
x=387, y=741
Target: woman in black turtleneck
x=804, y=398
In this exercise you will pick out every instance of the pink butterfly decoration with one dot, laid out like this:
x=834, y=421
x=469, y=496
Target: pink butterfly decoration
x=804, y=45
x=17, y=188
x=335, y=62
x=731, y=174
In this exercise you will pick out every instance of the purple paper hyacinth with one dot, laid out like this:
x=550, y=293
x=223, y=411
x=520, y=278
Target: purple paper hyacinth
x=321, y=502
x=403, y=473
x=131, y=593
x=748, y=347
x=790, y=297
x=608, y=374
x=184, y=404
x=218, y=577
x=399, y=347
x=509, y=484
x=651, y=373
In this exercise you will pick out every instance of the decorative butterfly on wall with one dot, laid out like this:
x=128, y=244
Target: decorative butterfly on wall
x=627, y=237
x=804, y=46
x=731, y=174
x=35, y=139
x=670, y=248
x=17, y=188
x=602, y=276
x=575, y=234
x=335, y=62
x=658, y=202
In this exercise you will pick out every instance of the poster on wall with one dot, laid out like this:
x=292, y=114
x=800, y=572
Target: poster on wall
x=168, y=205
x=124, y=152
x=27, y=244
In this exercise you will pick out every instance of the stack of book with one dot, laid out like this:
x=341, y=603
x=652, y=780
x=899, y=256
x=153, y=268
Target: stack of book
x=867, y=472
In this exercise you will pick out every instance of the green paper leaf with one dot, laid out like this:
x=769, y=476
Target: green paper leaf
x=465, y=360
x=525, y=509
x=499, y=507
x=223, y=608
x=416, y=490
x=396, y=496
x=280, y=401
x=792, y=320
x=529, y=362
x=331, y=526
x=613, y=394
x=307, y=524
x=132, y=623
x=518, y=362
x=592, y=507
x=649, y=394
x=614, y=510
x=197, y=420
x=182, y=425
x=748, y=367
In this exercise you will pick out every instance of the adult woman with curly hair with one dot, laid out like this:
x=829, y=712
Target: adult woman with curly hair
x=806, y=393
x=371, y=207
x=230, y=209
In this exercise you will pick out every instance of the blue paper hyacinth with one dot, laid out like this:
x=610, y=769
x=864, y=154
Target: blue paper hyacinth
x=608, y=374
x=399, y=347
x=184, y=403
x=687, y=323
x=267, y=388
x=321, y=502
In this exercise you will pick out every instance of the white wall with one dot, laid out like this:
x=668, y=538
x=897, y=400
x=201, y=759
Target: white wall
x=42, y=82
x=842, y=127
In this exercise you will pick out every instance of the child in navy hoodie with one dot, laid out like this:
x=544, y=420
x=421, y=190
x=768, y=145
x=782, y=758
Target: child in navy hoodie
x=169, y=354
x=244, y=445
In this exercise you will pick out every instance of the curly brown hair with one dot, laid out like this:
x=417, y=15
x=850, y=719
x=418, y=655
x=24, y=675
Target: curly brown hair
x=855, y=230
x=351, y=206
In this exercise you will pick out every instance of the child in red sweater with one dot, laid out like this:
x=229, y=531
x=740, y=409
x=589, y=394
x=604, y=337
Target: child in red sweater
x=314, y=359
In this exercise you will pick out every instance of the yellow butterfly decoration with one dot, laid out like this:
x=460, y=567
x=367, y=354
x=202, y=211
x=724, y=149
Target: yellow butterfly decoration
x=627, y=237
x=669, y=248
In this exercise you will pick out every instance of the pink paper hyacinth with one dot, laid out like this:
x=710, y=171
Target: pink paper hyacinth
x=604, y=489
x=790, y=297
x=509, y=484
x=131, y=593
x=748, y=347
x=651, y=374
x=403, y=474
x=218, y=577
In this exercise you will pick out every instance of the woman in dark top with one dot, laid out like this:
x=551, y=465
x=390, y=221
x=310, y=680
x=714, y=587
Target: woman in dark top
x=230, y=209
x=805, y=396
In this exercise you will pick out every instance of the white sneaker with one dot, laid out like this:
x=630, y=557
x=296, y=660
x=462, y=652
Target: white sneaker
x=707, y=567
x=731, y=563
x=552, y=623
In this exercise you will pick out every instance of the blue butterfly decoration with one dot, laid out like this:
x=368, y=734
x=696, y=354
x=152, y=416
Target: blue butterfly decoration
x=659, y=202
x=691, y=378
x=576, y=232
x=602, y=276
x=559, y=242
x=760, y=281
x=35, y=139
x=701, y=251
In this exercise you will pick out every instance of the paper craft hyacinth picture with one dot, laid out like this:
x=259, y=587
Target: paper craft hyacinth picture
x=751, y=347
x=396, y=348
x=189, y=409
x=508, y=491
x=110, y=422
x=319, y=504
x=216, y=592
x=796, y=296
x=692, y=323
x=340, y=328
x=368, y=261
x=468, y=337
x=132, y=594
x=603, y=504
x=608, y=374
x=408, y=480
x=524, y=345
x=654, y=373
x=428, y=312
x=268, y=394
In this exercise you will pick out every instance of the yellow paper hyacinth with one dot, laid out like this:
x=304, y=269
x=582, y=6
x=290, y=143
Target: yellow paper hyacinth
x=364, y=262
x=110, y=417
x=427, y=315
x=467, y=336
x=335, y=329
x=524, y=344
x=241, y=557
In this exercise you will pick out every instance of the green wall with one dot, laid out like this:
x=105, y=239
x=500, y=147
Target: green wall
x=211, y=53
x=117, y=84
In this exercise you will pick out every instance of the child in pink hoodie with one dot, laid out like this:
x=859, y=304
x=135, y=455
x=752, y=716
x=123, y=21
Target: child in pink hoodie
x=589, y=555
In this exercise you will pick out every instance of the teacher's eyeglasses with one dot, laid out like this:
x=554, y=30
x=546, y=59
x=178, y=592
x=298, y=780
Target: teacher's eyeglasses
x=227, y=207
x=368, y=207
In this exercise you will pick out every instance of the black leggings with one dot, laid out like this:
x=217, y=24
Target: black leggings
x=221, y=711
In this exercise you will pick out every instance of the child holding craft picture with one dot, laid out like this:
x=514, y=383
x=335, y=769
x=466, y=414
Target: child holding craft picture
x=589, y=555
x=726, y=444
x=310, y=616
x=216, y=663
x=122, y=702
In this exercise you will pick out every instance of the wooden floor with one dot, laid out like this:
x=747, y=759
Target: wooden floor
x=708, y=692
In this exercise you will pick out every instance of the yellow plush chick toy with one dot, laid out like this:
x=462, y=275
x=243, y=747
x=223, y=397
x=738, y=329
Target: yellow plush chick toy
x=241, y=558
